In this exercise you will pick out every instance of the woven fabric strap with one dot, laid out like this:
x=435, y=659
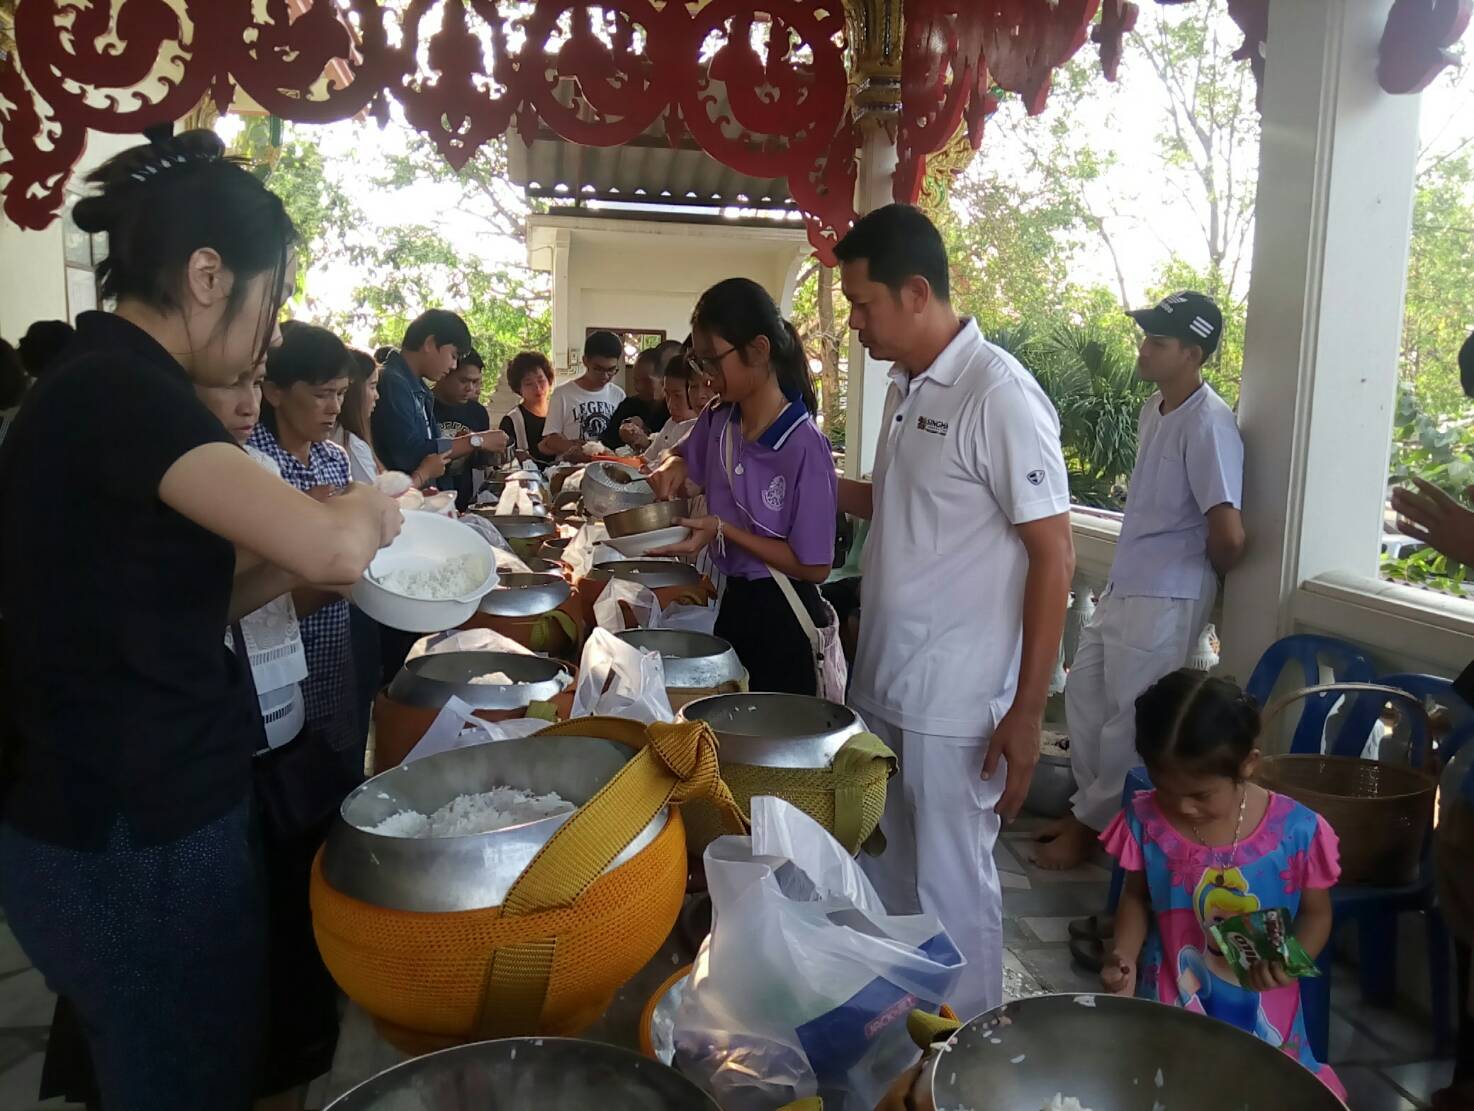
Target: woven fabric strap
x=674, y=764
x=853, y=771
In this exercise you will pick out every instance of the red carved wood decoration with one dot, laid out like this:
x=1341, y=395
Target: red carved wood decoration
x=760, y=85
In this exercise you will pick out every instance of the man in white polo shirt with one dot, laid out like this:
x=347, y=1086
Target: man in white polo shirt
x=966, y=575
x=1181, y=531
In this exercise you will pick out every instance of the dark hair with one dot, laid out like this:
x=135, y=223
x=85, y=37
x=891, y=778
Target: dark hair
x=1466, y=366
x=898, y=242
x=665, y=351
x=602, y=345
x=161, y=202
x=12, y=376
x=43, y=342
x=524, y=364
x=1191, y=719
x=472, y=358
x=739, y=310
x=382, y=353
x=679, y=368
x=444, y=325
x=307, y=354
x=354, y=416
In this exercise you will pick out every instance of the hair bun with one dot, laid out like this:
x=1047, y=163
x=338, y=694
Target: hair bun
x=97, y=213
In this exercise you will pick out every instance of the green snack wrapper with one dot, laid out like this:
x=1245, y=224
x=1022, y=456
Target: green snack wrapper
x=1261, y=935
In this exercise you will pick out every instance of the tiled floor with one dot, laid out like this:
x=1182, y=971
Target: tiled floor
x=1380, y=1055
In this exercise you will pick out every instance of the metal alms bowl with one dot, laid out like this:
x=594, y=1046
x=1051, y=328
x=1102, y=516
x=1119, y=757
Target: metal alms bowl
x=776, y=730
x=1122, y=1054
x=429, y=681
x=610, y=487
x=519, y=595
x=654, y=573
x=473, y=872
x=523, y=533
x=522, y=1074
x=1052, y=787
x=693, y=661
x=647, y=518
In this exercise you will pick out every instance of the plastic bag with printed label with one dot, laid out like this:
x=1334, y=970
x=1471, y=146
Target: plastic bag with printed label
x=457, y=727
x=616, y=679
x=804, y=984
x=467, y=640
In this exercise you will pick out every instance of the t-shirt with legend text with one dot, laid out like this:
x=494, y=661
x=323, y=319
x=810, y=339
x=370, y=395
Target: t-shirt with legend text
x=579, y=414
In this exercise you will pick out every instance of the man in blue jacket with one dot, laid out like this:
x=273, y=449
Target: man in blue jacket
x=406, y=434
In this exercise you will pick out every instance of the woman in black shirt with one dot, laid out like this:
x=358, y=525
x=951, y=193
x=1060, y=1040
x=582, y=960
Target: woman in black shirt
x=530, y=375
x=129, y=863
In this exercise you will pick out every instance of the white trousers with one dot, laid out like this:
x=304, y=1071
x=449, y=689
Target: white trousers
x=940, y=829
x=1127, y=646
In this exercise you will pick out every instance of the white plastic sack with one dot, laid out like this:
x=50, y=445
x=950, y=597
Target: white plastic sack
x=579, y=555
x=487, y=531
x=693, y=619
x=616, y=679
x=516, y=499
x=609, y=614
x=468, y=640
x=804, y=985
x=457, y=727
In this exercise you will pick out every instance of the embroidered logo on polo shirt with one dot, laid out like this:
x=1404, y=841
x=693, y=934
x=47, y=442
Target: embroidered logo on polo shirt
x=1036, y=478
x=932, y=425
x=773, y=496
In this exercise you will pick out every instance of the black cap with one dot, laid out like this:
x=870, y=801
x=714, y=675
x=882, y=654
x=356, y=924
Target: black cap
x=1187, y=316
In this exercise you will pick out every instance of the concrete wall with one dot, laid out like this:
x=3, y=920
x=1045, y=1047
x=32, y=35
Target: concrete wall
x=33, y=275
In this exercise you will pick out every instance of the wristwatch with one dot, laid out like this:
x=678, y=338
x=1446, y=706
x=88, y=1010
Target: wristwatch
x=476, y=441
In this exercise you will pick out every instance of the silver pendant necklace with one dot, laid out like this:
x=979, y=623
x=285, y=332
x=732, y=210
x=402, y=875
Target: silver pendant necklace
x=1233, y=852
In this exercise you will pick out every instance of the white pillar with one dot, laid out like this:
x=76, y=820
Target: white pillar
x=868, y=379
x=1332, y=225
x=561, y=324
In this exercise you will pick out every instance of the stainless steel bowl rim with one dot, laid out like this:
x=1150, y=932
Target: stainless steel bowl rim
x=653, y=573
x=692, y=661
x=472, y=872
x=519, y=595
x=646, y=518
x=412, y=687
x=514, y=526
x=785, y=730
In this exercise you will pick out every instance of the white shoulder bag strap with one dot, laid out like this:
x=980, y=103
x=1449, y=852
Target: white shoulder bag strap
x=519, y=426
x=816, y=644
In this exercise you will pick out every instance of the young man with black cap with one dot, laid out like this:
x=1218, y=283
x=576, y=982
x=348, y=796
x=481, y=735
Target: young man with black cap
x=1182, y=530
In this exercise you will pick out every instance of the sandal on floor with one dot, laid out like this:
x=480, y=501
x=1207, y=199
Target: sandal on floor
x=1088, y=953
x=1093, y=926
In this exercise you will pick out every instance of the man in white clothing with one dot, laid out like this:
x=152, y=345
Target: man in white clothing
x=1181, y=531
x=580, y=410
x=966, y=575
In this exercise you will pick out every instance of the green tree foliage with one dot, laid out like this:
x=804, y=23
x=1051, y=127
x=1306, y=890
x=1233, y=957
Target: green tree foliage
x=1439, y=310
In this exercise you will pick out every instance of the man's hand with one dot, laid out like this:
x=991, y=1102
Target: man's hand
x=1017, y=738
x=634, y=433
x=1433, y=517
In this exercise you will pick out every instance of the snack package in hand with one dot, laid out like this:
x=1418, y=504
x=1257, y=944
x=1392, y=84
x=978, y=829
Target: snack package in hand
x=1261, y=935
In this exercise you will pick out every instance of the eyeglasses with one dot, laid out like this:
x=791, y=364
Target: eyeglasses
x=710, y=365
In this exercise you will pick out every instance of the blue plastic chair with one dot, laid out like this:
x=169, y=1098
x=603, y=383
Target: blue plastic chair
x=1311, y=654
x=1375, y=911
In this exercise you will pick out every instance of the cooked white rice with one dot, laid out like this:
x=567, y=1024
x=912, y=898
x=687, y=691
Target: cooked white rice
x=478, y=813
x=1064, y=1103
x=453, y=578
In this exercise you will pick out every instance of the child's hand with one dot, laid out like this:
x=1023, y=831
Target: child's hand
x=1268, y=975
x=1118, y=975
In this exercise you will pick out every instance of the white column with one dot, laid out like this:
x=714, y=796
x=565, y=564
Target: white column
x=867, y=377
x=561, y=327
x=1332, y=225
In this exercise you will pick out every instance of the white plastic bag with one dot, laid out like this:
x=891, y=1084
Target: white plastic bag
x=488, y=531
x=468, y=640
x=579, y=555
x=609, y=614
x=616, y=679
x=693, y=619
x=457, y=727
x=804, y=985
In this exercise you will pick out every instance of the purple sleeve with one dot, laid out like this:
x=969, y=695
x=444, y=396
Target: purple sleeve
x=694, y=448
x=815, y=502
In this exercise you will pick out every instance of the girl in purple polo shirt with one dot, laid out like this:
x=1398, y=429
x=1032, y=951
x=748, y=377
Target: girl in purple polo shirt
x=768, y=474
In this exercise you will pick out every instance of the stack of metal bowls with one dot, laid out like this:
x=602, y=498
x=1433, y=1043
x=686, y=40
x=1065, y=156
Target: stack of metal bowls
x=520, y=1074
